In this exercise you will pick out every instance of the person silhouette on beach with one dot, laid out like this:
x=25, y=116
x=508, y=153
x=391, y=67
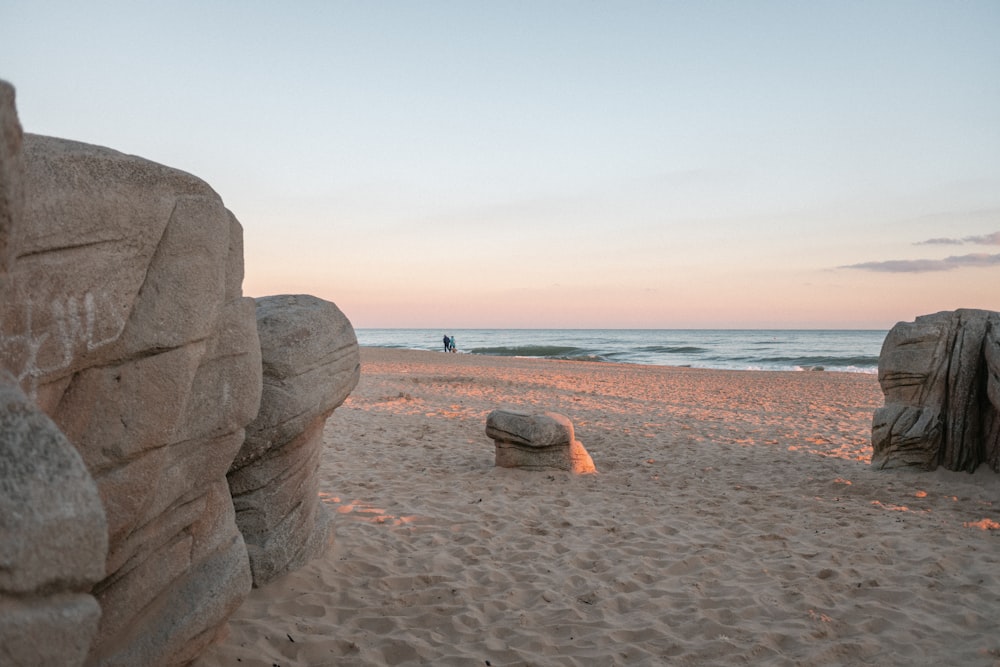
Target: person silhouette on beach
x=447, y=343
x=451, y=345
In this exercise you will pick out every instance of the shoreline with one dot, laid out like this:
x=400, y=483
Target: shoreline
x=844, y=350
x=734, y=518
x=818, y=368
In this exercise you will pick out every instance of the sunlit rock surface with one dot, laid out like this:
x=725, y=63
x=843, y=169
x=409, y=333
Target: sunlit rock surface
x=122, y=318
x=536, y=442
x=130, y=367
x=53, y=530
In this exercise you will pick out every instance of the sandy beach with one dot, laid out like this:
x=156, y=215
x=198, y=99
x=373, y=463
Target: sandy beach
x=734, y=520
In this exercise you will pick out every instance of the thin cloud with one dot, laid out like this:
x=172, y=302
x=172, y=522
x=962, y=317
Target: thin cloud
x=986, y=239
x=927, y=265
x=940, y=242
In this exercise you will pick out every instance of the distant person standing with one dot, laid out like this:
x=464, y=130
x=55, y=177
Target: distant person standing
x=447, y=343
x=451, y=345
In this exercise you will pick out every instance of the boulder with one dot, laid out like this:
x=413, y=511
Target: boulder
x=53, y=539
x=537, y=442
x=939, y=375
x=311, y=363
x=133, y=368
x=123, y=319
x=53, y=529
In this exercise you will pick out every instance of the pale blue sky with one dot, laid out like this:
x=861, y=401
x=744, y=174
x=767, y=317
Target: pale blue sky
x=663, y=164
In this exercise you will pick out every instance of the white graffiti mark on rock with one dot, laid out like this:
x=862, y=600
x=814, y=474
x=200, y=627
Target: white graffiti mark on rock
x=72, y=325
x=87, y=330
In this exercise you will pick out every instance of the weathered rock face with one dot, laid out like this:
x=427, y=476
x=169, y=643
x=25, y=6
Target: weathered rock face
x=941, y=380
x=311, y=363
x=53, y=539
x=537, y=442
x=53, y=530
x=11, y=176
x=123, y=319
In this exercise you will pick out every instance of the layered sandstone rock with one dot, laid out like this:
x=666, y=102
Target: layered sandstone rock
x=941, y=380
x=536, y=442
x=122, y=318
x=311, y=363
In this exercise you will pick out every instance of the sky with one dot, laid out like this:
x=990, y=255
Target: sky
x=511, y=164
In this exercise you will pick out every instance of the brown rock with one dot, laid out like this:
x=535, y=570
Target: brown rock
x=938, y=375
x=53, y=529
x=311, y=363
x=11, y=177
x=537, y=442
x=123, y=318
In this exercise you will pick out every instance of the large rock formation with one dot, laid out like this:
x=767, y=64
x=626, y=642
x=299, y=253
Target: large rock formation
x=311, y=364
x=536, y=442
x=122, y=317
x=53, y=530
x=941, y=380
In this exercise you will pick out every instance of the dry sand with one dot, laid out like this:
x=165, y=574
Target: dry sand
x=734, y=520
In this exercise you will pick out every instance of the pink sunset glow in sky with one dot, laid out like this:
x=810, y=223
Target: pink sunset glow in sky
x=559, y=164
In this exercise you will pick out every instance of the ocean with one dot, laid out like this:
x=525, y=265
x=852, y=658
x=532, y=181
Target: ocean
x=752, y=349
